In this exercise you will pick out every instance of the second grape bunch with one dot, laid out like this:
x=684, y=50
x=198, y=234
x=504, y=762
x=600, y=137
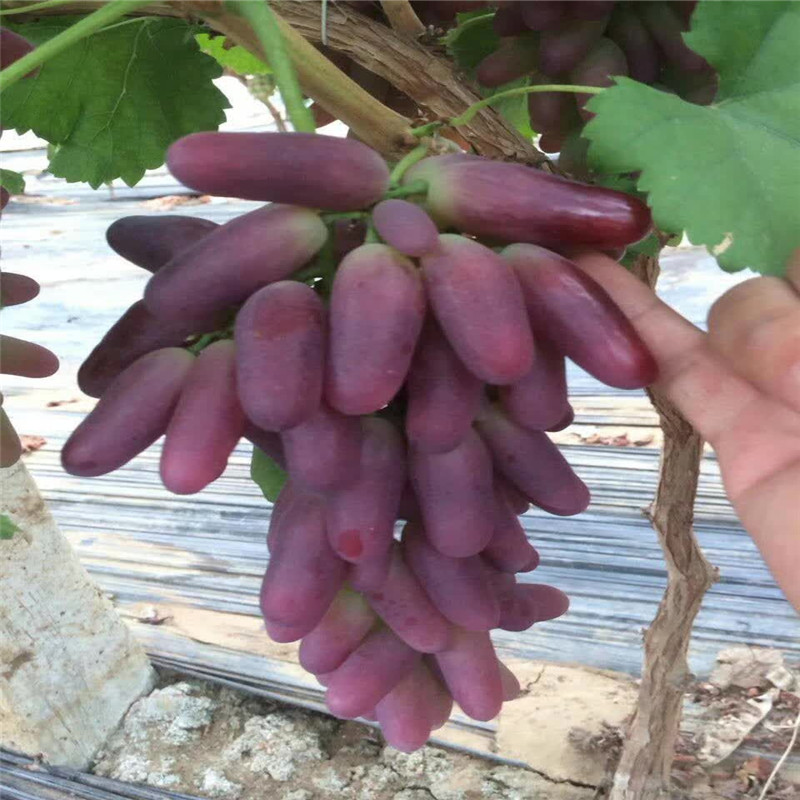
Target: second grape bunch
x=399, y=350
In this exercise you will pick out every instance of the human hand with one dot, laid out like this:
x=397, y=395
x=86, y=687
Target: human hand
x=739, y=385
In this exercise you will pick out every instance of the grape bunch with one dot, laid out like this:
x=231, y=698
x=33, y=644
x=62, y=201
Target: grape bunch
x=398, y=347
x=586, y=43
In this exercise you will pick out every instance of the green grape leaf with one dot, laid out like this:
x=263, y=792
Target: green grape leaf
x=728, y=174
x=472, y=39
x=115, y=101
x=7, y=527
x=236, y=58
x=12, y=181
x=267, y=474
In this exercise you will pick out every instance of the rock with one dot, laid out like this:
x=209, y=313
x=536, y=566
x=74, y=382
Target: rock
x=298, y=794
x=215, y=784
x=412, y=794
x=180, y=711
x=278, y=743
x=747, y=667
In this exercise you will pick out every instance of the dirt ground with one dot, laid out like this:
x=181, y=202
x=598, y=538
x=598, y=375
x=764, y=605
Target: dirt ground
x=202, y=739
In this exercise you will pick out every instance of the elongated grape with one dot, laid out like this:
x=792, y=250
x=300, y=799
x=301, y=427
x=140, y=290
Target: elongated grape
x=515, y=203
x=454, y=491
x=323, y=452
x=590, y=9
x=361, y=516
x=226, y=266
x=403, y=605
x=379, y=663
x=12, y=48
x=405, y=226
x=641, y=52
x=458, y=587
x=280, y=348
x=509, y=549
x=511, y=687
x=376, y=312
x=288, y=497
x=4, y=193
x=16, y=289
x=543, y=14
x=441, y=704
x=665, y=26
x=136, y=333
x=580, y=319
x=151, y=241
x=514, y=58
x=551, y=113
x=534, y=464
x=517, y=500
x=478, y=303
x=268, y=441
x=347, y=235
x=304, y=574
x=472, y=674
x=206, y=424
x=132, y=413
x=405, y=713
x=530, y=603
x=344, y=626
x=303, y=169
x=564, y=422
x=539, y=399
x=508, y=20
x=442, y=395
x=596, y=68
x=20, y=357
x=561, y=48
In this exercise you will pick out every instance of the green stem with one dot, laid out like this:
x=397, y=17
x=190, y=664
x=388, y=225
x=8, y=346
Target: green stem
x=262, y=19
x=406, y=162
x=415, y=187
x=34, y=7
x=430, y=127
x=104, y=15
x=464, y=118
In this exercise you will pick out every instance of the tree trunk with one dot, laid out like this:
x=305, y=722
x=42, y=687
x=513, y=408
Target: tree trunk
x=69, y=667
x=643, y=771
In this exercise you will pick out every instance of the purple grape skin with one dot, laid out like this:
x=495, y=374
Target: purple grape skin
x=304, y=574
x=514, y=203
x=641, y=52
x=361, y=516
x=401, y=602
x=509, y=549
x=508, y=20
x=515, y=57
x=268, y=441
x=552, y=113
x=405, y=713
x=530, y=603
x=206, y=424
x=563, y=47
x=136, y=333
x=472, y=674
x=457, y=587
x=477, y=302
x=323, y=452
x=454, y=491
x=30, y=360
x=150, y=242
x=379, y=663
x=132, y=413
x=666, y=26
x=405, y=226
x=16, y=289
x=377, y=307
x=226, y=266
x=580, y=319
x=543, y=14
x=344, y=626
x=596, y=68
x=442, y=395
x=302, y=169
x=530, y=461
x=346, y=235
x=539, y=399
x=564, y=422
x=280, y=350
x=591, y=9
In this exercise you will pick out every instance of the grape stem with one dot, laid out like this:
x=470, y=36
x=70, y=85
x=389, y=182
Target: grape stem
x=104, y=15
x=406, y=162
x=32, y=8
x=469, y=114
x=265, y=26
x=415, y=187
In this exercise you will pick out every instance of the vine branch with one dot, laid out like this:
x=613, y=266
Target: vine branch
x=403, y=18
